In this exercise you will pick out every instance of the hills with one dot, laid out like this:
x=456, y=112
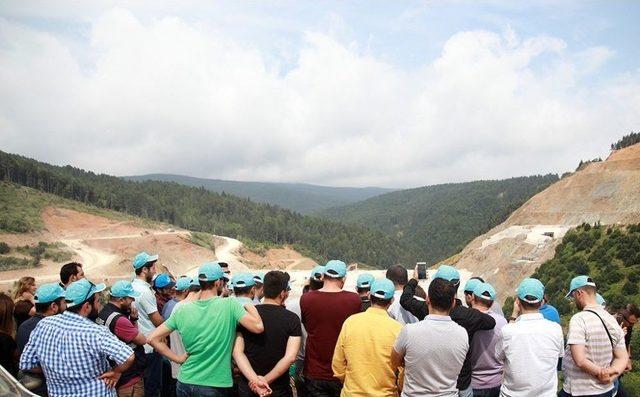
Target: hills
x=435, y=222
x=198, y=209
x=606, y=193
x=300, y=197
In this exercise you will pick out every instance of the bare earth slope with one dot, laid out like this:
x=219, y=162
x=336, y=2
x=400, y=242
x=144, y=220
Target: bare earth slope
x=607, y=192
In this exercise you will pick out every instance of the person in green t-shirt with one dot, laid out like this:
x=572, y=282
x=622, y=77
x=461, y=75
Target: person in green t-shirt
x=208, y=328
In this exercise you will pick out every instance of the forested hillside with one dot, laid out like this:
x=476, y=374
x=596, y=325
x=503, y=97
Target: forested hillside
x=299, y=197
x=201, y=210
x=609, y=254
x=436, y=222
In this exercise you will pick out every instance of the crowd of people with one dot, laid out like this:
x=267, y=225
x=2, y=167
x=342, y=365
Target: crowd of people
x=220, y=334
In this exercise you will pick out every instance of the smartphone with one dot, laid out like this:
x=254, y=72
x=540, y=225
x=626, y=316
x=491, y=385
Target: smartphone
x=422, y=270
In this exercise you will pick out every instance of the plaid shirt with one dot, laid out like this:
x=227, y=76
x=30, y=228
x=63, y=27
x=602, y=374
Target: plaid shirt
x=73, y=353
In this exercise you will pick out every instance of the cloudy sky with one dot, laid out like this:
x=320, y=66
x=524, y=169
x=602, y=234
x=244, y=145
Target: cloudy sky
x=344, y=93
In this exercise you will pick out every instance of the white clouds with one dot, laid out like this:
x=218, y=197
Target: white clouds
x=174, y=96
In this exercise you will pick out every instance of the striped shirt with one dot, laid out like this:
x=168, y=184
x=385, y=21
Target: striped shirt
x=72, y=352
x=585, y=328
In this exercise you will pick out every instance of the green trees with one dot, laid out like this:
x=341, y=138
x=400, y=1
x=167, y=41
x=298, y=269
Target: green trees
x=627, y=140
x=201, y=210
x=609, y=254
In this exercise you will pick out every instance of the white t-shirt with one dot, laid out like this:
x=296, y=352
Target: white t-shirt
x=585, y=328
x=434, y=350
x=398, y=313
x=529, y=349
x=146, y=305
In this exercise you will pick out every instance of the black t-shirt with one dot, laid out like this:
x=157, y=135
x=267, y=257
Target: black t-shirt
x=25, y=329
x=8, y=353
x=266, y=349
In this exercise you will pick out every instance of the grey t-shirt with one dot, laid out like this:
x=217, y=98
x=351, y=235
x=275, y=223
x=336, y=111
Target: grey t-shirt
x=434, y=351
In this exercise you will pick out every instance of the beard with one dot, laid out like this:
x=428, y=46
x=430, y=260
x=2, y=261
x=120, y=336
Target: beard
x=94, y=313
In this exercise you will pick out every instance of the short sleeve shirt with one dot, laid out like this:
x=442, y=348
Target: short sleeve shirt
x=208, y=329
x=266, y=349
x=585, y=328
x=125, y=330
x=146, y=305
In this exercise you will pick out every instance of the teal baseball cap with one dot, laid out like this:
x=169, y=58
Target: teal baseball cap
x=123, y=289
x=600, y=300
x=183, y=283
x=382, y=288
x=163, y=280
x=579, y=282
x=317, y=272
x=485, y=291
x=142, y=259
x=47, y=293
x=79, y=291
x=210, y=271
x=195, y=282
x=258, y=278
x=448, y=273
x=335, y=269
x=530, y=290
x=242, y=280
x=365, y=280
x=471, y=285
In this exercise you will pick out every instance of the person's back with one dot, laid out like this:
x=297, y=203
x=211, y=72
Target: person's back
x=486, y=371
x=434, y=349
x=323, y=313
x=530, y=347
x=594, y=336
x=207, y=328
x=362, y=356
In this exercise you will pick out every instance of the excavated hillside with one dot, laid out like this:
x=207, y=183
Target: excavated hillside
x=607, y=192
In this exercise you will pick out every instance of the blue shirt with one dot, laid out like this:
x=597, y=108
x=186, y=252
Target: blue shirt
x=550, y=313
x=168, y=308
x=73, y=353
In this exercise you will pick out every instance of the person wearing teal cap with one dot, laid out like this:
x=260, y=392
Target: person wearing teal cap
x=317, y=273
x=119, y=316
x=530, y=343
x=469, y=287
x=470, y=319
x=365, y=369
x=243, y=286
x=600, y=300
x=268, y=356
x=73, y=352
x=596, y=353
x=486, y=371
x=149, y=317
x=259, y=289
x=180, y=293
x=208, y=328
x=363, y=286
x=323, y=313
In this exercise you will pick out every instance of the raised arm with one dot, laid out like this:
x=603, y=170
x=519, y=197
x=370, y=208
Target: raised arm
x=410, y=303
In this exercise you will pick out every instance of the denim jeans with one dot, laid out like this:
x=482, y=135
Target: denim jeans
x=607, y=394
x=468, y=392
x=322, y=388
x=187, y=390
x=153, y=375
x=492, y=392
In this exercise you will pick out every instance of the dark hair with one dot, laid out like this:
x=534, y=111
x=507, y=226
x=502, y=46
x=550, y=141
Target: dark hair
x=194, y=288
x=147, y=265
x=43, y=307
x=530, y=306
x=67, y=270
x=632, y=310
x=76, y=308
x=7, y=322
x=206, y=285
x=398, y=275
x=241, y=290
x=275, y=282
x=363, y=289
x=379, y=301
x=315, y=284
x=441, y=294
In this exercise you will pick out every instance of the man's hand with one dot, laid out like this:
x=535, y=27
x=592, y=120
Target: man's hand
x=629, y=366
x=134, y=312
x=111, y=378
x=415, y=273
x=607, y=375
x=516, y=309
x=260, y=386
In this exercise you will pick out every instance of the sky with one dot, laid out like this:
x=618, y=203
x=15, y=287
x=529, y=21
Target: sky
x=340, y=93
